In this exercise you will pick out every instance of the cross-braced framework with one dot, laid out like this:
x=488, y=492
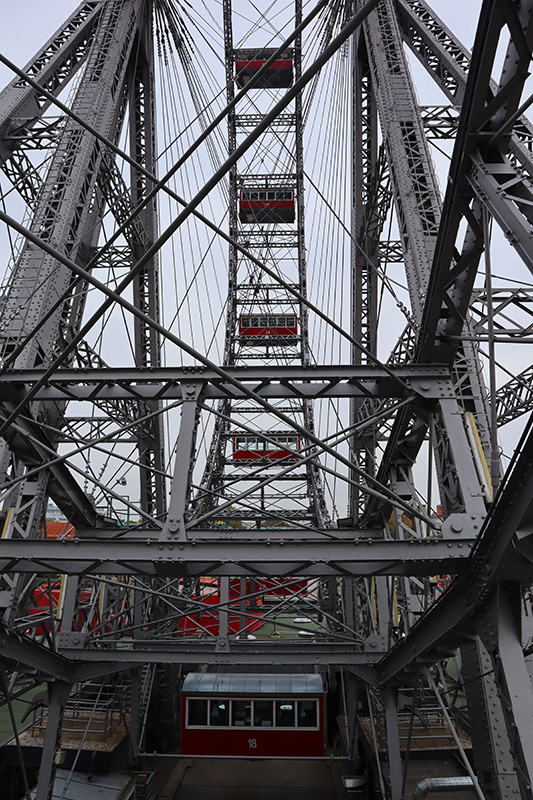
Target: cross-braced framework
x=260, y=368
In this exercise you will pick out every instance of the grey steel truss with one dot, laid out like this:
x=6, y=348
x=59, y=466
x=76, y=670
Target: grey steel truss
x=212, y=554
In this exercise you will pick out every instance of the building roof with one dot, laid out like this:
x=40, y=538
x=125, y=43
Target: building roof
x=81, y=786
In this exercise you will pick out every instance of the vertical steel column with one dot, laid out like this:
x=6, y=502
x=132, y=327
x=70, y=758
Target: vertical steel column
x=233, y=188
x=58, y=694
x=174, y=527
x=415, y=187
x=223, y=616
x=215, y=463
x=220, y=434
x=364, y=242
x=418, y=209
x=492, y=746
x=142, y=132
x=246, y=292
x=514, y=680
x=135, y=714
x=314, y=480
x=393, y=742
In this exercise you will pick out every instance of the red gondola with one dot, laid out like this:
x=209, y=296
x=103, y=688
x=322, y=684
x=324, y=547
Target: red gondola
x=252, y=715
x=262, y=206
x=46, y=598
x=206, y=617
x=266, y=327
x=248, y=448
x=279, y=74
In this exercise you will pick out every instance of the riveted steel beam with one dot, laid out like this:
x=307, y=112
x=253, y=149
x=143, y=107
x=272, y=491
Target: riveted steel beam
x=298, y=382
x=24, y=654
x=258, y=653
x=238, y=557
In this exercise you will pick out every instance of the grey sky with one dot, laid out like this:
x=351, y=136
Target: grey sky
x=26, y=25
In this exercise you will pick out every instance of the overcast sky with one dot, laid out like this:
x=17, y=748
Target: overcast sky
x=27, y=24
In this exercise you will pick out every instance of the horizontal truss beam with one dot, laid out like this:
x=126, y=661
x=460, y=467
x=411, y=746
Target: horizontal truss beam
x=310, y=382
x=355, y=556
x=25, y=653
x=195, y=652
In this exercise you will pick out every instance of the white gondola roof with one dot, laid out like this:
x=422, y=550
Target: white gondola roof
x=252, y=683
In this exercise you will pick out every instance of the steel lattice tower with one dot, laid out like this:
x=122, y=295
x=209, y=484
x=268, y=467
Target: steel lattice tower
x=235, y=528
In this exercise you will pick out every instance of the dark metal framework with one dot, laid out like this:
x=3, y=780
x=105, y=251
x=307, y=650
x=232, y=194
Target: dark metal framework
x=255, y=541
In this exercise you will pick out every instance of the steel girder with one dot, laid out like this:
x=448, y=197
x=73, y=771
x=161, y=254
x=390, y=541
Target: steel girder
x=147, y=345
x=361, y=662
x=21, y=106
x=338, y=380
x=478, y=118
x=65, y=214
x=483, y=605
x=45, y=664
x=409, y=154
x=515, y=398
x=447, y=304
x=172, y=554
x=109, y=122
x=371, y=197
x=418, y=207
x=415, y=189
x=448, y=62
